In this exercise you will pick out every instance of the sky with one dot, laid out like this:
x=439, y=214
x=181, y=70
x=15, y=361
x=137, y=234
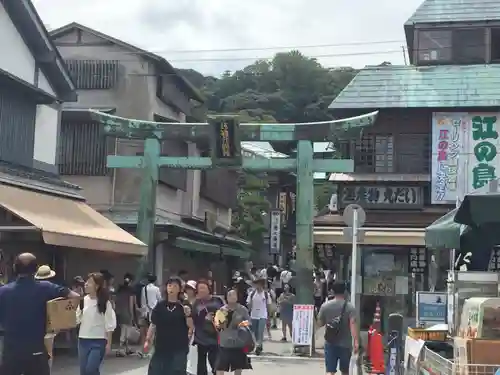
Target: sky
x=337, y=32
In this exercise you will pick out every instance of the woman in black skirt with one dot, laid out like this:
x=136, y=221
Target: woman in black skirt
x=228, y=320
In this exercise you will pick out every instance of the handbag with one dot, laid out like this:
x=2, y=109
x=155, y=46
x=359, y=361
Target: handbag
x=133, y=335
x=332, y=328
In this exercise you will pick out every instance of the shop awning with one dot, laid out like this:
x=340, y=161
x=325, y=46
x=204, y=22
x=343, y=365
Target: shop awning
x=373, y=236
x=204, y=247
x=67, y=222
x=444, y=233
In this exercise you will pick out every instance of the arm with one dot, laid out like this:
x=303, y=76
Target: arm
x=152, y=327
x=321, y=321
x=131, y=305
x=109, y=322
x=353, y=328
x=57, y=291
x=79, y=313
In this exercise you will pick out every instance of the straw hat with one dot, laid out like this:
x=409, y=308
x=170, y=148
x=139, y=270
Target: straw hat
x=44, y=272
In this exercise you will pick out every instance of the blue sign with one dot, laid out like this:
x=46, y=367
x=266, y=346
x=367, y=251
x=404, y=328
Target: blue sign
x=431, y=307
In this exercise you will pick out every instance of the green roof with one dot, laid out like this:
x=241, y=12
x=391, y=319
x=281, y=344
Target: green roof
x=441, y=86
x=435, y=11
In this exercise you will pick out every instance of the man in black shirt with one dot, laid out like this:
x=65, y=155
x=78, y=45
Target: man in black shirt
x=171, y=326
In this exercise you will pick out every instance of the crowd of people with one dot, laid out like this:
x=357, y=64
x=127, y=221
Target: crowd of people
x=183, y=327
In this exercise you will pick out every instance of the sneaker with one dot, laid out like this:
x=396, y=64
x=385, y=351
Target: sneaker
x=258, y=350
x=283, y=339
x=274, y=326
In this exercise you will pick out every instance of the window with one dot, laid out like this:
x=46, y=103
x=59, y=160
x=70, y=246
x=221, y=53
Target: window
x=93, y=74
x=83, y=149
x=371, y=153
x=495, y=45
x=469, y=46
x=434, y=46
x=413, y=153
x=461, y=46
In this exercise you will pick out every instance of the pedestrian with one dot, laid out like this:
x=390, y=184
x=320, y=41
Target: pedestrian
x=171, y=327
x=97, y=322
x=205, y=334
x=150, y=296
x=318, y=291
x=45, y=273
x=341, y=332
x=232, y=356
x=124, y=308
x=258, y=302
x=190, y=292
x=285, y=302
x=285, y=276
x=23, y=316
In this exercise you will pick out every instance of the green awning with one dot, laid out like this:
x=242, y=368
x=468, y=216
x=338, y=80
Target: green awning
x=444, y=233
x=199, y=246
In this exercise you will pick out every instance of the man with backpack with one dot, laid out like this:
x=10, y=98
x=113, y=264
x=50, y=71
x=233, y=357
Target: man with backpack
x=341, y=332
x=259, y=304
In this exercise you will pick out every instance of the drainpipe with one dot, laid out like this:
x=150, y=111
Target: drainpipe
x=113, y=181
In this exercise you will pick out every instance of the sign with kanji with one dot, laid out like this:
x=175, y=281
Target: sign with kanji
x=380, y=196
x=302, y=324
x=225, y=142
x=417, y=260
x=448, y=131
x=495, y=259
x=483, y=148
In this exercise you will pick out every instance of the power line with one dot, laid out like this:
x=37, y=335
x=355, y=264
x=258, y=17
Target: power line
x=348, y=44
x=255, y=58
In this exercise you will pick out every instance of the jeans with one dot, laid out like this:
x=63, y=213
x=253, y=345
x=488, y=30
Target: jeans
x=15, y=363
x=91, y=354
x=258, y=328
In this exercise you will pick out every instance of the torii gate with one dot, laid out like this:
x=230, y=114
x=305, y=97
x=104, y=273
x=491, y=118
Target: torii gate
x=225, y=134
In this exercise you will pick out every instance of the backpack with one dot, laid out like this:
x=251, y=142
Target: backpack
x=333, y=327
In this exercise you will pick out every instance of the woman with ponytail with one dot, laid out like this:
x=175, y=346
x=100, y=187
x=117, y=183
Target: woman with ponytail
x=97, y=321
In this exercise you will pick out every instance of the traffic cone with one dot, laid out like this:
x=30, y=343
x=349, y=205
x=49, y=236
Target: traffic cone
x=376, y=318
x=377, y=354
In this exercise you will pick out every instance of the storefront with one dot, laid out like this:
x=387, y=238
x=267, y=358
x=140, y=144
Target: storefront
x=59, y=229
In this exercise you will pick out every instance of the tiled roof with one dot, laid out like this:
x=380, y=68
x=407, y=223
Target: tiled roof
x=435, y=11
x=422, y=87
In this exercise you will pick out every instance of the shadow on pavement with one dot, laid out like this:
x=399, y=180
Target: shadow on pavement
x=112, y=365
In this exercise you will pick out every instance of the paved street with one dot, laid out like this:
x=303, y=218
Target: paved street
x=135, y=366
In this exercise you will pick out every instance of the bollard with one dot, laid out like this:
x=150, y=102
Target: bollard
x=394, y=359
x=395, y=323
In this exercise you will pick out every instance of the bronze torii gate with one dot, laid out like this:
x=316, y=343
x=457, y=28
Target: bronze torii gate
x=225, y=134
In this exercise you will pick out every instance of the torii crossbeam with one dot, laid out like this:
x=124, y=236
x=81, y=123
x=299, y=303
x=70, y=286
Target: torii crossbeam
x=225, y=134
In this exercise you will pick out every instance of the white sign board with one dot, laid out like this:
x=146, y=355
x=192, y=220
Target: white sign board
x=302, y=324
x=448, y=133
x=464, y=154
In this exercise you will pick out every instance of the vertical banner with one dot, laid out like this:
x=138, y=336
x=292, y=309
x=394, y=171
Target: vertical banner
x=447, y=146
x=275, y=232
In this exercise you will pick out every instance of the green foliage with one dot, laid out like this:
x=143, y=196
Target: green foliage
x=248, y=218
x=322, y=194
x=289, y=88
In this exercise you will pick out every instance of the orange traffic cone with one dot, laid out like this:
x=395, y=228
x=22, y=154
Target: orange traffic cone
x=376, y=318
x=377, y=354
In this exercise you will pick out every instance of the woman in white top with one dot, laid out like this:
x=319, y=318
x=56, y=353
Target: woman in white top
x=97, y=322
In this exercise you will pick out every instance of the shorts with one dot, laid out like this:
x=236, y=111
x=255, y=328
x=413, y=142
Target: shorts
x=334, y=354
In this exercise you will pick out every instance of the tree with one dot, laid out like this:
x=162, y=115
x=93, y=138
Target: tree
x=248, y=218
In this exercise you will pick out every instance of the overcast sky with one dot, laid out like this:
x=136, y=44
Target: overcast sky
x=167, y=26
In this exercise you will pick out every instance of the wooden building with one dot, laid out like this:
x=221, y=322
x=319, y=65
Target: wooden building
x=406, y=164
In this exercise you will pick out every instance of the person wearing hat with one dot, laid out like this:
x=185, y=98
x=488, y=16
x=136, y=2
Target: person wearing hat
x=46, y=273
x=170, y=327
x=190, y=291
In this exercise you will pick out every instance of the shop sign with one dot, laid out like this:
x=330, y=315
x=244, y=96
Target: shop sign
x=417, y=259
x=375, y=196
